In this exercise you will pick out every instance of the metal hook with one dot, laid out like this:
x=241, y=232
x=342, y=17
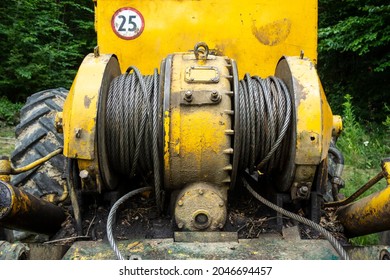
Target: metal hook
x=202, y=48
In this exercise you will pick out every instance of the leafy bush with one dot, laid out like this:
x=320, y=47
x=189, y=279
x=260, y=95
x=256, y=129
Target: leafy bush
x=363, y=148
x=354, y=56
x=9, y=112
x=42, y=44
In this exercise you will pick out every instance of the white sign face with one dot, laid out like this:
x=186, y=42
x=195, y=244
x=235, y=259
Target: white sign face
x=127, y=23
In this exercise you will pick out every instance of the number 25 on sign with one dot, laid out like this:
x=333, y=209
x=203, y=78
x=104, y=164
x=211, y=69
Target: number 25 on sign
x=127, y=23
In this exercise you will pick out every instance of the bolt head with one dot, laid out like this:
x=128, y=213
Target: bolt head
x=214, y=96
x=188, y=96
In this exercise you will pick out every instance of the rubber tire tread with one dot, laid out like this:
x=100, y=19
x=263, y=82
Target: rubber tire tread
x=36, y=137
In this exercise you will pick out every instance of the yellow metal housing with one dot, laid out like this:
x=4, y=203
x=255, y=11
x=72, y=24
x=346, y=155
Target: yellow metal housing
x=81, y=110
x=197, y=127
x=313, y=123
x=255, y=33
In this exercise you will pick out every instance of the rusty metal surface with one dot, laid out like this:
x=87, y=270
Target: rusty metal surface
x=357, y=193
x=5, y=169
x=198, y=134
x=267, y=246
x=13, y=251
x=313, y=121
x=200, y=206
x=39, y=251
x=205, y=236
x=368, y=215
x=377, y=252
x=80, y=118
x=23, y=211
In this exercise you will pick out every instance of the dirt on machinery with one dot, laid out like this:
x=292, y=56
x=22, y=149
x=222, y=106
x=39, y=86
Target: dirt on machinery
x=138, y=218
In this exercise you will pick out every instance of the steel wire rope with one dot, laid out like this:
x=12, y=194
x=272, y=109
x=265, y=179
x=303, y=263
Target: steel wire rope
x=332, y=240
x=134, y=122
x=111, y=219
x=265, y=109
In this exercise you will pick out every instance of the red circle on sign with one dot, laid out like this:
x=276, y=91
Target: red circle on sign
x=128, y=20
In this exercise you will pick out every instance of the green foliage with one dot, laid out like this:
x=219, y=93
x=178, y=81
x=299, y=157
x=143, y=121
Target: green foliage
x=7, y=140
x=363, y=148
x=354, y=54
x=366, y=240
x=9, y=112
x=386, y=123
x=42, y=43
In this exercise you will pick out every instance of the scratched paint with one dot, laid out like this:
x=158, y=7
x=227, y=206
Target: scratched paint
x=273, y=33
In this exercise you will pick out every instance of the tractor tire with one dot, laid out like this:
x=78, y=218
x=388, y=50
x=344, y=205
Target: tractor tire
x=36, y=136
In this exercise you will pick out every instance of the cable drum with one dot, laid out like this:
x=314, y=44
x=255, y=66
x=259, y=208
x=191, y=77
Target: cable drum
x=265, y=116
x=134, y=123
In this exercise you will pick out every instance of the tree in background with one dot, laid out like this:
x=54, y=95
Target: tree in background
x=42, y=43
x=354, y=54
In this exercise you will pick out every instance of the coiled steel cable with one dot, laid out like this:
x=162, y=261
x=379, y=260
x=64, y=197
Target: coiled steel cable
x=333, y=241
x=265, y=109
x=133, y=117
x=266, y=116
x=111, y=219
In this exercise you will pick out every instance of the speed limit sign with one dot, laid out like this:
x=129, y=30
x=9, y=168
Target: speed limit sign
x=127, y=23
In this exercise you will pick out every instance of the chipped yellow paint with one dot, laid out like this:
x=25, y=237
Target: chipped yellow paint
x=314, y=120
x=255, y=33
x=309, y=113
x=175, y=135
x=386, y=169
x=273, y=33
x=328, y=125
x=368, y=215
x=166, y=141
x=196, y=132
x=136, y=247
x=80, y=108
x=80, y=111
x=5, y=170
x=337, y=125
x=199, y=135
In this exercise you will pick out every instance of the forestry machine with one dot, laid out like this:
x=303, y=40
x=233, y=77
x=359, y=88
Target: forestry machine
x=170, y=145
